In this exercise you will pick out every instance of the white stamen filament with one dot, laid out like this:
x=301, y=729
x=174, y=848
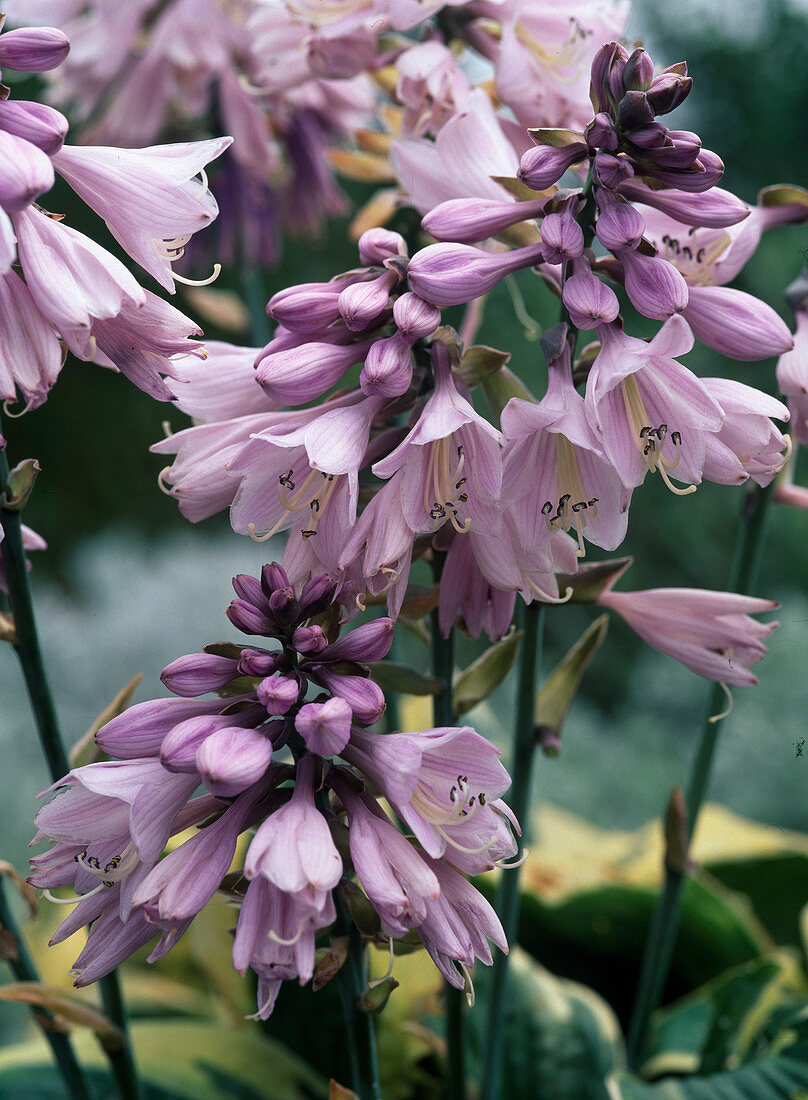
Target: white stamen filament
x=468, y=984
x=443, y=487
x=650, y=440
x=506, y=866
x=574, y=505
x=217, y=268
x=728, y=709
x=311, y=494
x=273, y=935
x=694, y=262
x=76, y=898
x=164, y=473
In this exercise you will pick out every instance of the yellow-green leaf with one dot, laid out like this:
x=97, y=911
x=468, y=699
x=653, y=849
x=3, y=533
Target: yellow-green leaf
x=485, y=674
x=560, y=687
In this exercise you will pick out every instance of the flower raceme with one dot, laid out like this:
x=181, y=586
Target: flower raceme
x=68, y=291
x=245, y=723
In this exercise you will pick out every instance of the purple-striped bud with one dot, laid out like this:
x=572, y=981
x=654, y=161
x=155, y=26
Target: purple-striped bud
x=652, y=137
x=414, y=317
x=736, y=324
x=249, y=620
x=325, y=727
x=248, y=588
x=655, y=287
x=369, y=642
x=25, y=172
x=543, y=165
x=377, y=245
x=638, y=74
x=179, y=747
x=607, y=75
x=278, y=693
x=620, y=226
x=601, y=132
x=562, y=239
x=589, y=300
x=284, y=606
x=140, y=730
x=362, y=303
x=232, y=759
x=715, y=209
x=611, y=171
x=308, y=307
x=469, y=220
x=669, y=89
x=634, y=111
x=33, y=49
x=681, y=153
x=704, y=173
x=317, y=595
x=450, y=274
x=298, y=375
x=36, y=123
x=198, y=673
x=388, y=368
x=309, y=639
x=273, y=576
x=363, y=696
x=257, y=662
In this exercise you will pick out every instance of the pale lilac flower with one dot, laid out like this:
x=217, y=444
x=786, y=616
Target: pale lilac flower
x=30, y=541
x=450, y=460
x=150, y=198
x=748, y=444
x=466, y=592
x=792, y=376
x=650, y=412
x=709, y=632
x=30, y=353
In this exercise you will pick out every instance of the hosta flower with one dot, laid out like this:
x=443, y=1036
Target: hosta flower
x=711, y=633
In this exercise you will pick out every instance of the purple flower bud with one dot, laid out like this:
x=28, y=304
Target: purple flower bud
x=317, y=595
x=273, y=576
x=715, y=208
x=634, y=111
x=650, y=137
x=589, y=301
x=180, y=745
x=606, y=85
x=325, y=727
x=369, y=642
x=296, y=376
x=450, y=274
x=378, y=245
x=232, y=759
x=669, y=89
x=682, y=151
x=25, y=172
x=36, y=123
x=198, y=673
x=278, y=693
x=544, y=165
x=562, y=238
x=620, y=226
x=736, y=324
x=414, y=317
x=705, y=172
x=249, y=620
x=257, y=662
x=363, y=696
x=309, y=639
x=249, y=588
x=470, y=220
x=139, y=730
x=388, y=368
x=601, y=132
x=612, y=171
x=639, y=72
x=284, y=606
x=306, y=308
x=362, y=303
x=655, y=287
x=33, y=49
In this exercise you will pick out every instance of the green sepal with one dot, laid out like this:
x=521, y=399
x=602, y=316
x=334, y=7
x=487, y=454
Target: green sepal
x=484, y=675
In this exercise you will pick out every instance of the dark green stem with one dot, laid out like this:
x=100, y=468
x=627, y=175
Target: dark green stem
x=661, y=940
x=360, y=1026
x=255, y=299
x=443, y=715
x=518, y=797
x=36, y=681
x=24, y=970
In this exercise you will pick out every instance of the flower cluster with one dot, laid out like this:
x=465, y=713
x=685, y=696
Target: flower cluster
x=70, y=293
x=284, y=755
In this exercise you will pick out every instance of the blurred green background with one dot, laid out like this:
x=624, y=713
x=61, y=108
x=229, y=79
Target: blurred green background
x=128, y=584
